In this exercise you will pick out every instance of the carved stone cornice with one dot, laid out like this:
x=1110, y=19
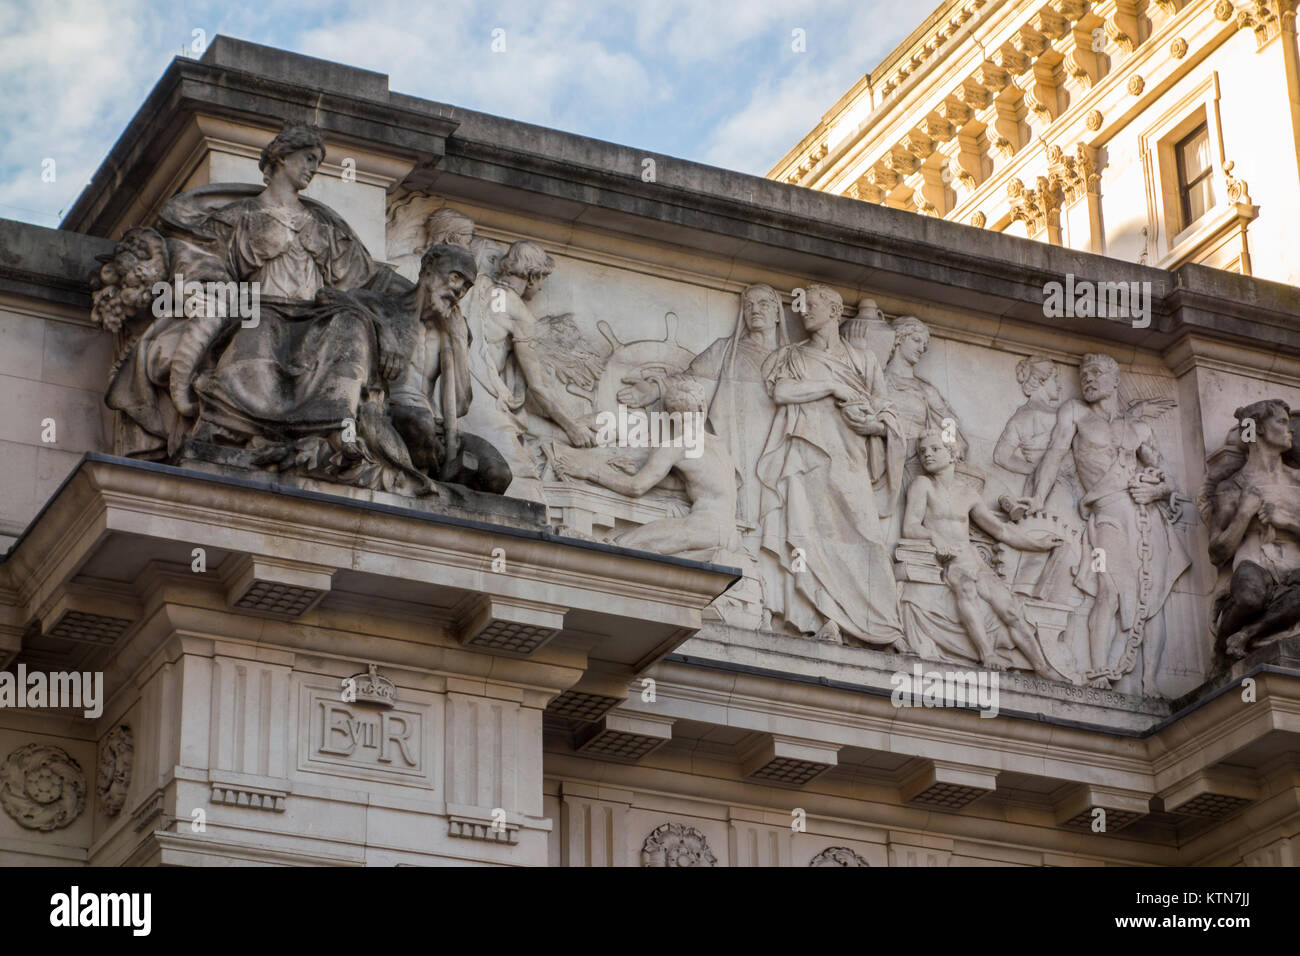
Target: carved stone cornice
x=971, y=95
x=954, y=111
x=937, y=128
x=901, y=160
x=1029, y=41
x=991, y=76
x=1073, y=175
x=881, y=176
x=1264, y=17
x=1050, y=23
x=1070, y=9
x=1010, y=59
x=1037, y=208
x=918, y=144
x=864, y=190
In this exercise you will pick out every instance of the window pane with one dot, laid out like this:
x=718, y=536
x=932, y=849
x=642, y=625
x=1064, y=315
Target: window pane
x=1200, y=199
x=1194, y=154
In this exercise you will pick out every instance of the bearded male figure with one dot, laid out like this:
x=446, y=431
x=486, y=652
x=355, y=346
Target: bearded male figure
x=1131, y=557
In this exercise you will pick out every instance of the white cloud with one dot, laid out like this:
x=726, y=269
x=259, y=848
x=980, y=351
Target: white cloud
x=696, y=78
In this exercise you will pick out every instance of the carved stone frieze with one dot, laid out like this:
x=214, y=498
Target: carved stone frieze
x=763, y=441
x=1132, y=553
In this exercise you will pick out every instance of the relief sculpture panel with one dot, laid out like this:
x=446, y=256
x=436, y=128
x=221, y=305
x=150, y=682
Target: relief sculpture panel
x=868, y=498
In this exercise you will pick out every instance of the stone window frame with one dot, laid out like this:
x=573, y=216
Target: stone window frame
x=1170, y=239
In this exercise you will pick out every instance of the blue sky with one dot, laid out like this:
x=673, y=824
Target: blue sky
x=711, y=81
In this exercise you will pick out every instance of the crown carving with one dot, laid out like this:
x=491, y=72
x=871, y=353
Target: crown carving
x=372, y=688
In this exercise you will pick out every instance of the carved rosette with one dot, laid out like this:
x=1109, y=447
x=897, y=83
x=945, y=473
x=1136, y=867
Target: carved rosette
x=837, y=856
x=675, y=844
x=1223, y=10
x=978, y=220
x=42, y=787
x=1093, y=120
x=116, y=758
x=1178, y=48
x=1136, y=84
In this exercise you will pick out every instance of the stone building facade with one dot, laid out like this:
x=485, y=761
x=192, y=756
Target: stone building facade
x=1155, y=131
x=901, y=569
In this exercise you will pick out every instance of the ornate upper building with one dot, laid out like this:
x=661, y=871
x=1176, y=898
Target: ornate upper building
x=1156, y=131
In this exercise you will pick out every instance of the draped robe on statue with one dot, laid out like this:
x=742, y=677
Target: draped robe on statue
x=818, y=479
x=739, y=410
x=304, y=367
